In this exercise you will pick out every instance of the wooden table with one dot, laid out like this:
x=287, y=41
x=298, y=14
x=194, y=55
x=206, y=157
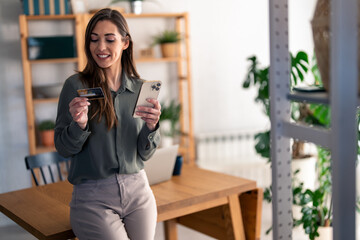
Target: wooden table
x=219, y=205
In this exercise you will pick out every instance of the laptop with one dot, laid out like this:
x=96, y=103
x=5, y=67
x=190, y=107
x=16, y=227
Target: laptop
x=160, y=166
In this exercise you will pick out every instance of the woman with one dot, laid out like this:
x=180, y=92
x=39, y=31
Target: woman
x=111, y=198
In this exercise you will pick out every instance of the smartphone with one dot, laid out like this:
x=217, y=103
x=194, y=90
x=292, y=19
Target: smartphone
x=149, y=89
x=91, y=93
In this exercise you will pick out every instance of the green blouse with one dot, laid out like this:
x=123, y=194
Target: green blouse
x=96, y=152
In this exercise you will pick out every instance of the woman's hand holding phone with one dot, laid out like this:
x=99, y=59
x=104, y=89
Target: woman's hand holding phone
x=147, y=106
x=150, y=115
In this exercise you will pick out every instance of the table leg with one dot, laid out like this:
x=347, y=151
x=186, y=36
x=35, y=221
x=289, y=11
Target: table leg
x=240, y=216
x=236, y=217
x=251, y=211
x=170, y=229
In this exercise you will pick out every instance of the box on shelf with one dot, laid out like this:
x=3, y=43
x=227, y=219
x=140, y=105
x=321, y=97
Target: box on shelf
x=147, y=53
x=51, y=47
x=46, y=7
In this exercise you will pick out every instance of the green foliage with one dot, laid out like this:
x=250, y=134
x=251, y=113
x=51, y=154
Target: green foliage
x=171, y=112
x=268, y=194
x=46, y=125
x=259, y=78
x=316, y=205
x=315, y=71
x=262, y=144
x=167, y=37
x=299, y=66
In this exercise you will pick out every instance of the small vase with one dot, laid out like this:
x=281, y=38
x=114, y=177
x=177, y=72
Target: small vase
x=321, y=36
x=168, y=50
x=306, y=175
x=136, y=7
x=47, y=138
x=326, y=233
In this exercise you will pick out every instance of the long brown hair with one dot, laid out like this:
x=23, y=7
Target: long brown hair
x=94, y=76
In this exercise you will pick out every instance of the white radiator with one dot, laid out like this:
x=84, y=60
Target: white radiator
x=233, y=153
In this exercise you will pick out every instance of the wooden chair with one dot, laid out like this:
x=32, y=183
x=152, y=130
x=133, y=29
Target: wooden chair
x=48, y=161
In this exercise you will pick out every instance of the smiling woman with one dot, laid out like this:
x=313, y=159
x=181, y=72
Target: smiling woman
x=107, y=145
x=106, y=46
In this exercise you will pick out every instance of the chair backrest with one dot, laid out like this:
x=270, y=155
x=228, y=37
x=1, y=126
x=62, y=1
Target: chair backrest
x=46, y=162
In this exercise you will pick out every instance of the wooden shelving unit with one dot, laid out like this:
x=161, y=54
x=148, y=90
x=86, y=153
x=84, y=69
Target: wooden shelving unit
x=187, y=144
x=34, y=147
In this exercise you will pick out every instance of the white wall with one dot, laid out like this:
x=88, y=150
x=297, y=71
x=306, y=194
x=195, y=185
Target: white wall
x=13, y=131
x=223, y=34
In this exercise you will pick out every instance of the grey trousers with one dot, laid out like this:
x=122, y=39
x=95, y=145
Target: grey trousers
x=120, y=207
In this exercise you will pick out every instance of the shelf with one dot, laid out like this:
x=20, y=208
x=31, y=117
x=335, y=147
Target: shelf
x=318, y=135
x=55, y=60
x=309, y=97
x=314, y=97
x=144, y=60
x=42, y=149
x=51, y=17
x=45, y=100
x=126, y=15
x=154, y=15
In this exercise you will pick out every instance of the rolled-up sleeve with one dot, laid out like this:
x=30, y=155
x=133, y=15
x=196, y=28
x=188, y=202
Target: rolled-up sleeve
x=148, y=141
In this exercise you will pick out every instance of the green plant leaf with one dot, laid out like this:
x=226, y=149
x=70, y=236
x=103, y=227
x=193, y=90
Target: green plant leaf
x=46, y=125
x=299, y=66
x=171, y=112
x=167, y=36
x=263, y=144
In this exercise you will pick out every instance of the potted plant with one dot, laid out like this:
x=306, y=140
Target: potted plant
x=316, y=205
x=168, y=42
x=310, y=113
x=46, y=129
x=135, y=5
x=169, y=119
x=259, y=77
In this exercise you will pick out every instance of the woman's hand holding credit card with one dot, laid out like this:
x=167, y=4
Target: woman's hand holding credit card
x=79, y=106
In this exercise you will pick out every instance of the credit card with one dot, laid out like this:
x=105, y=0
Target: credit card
x=91, y=93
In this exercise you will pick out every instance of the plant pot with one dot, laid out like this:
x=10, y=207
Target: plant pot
x=168, y=50
x=306, y=175
x=321, y=35
x=326, y=233
x=47, y=138
x=136, y=7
